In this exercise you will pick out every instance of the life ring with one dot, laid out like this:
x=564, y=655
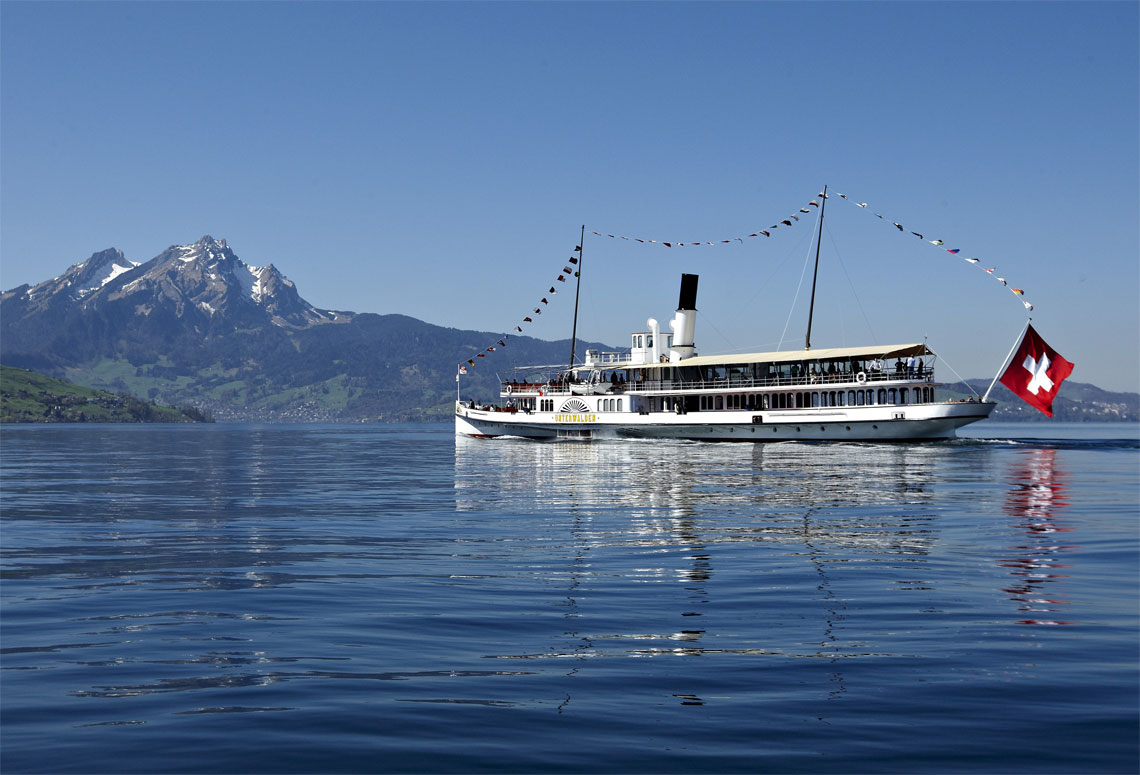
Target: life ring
x=508, y=390
x=861, y=377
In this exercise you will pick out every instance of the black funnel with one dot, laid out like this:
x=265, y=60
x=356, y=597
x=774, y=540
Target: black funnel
x=688, y=298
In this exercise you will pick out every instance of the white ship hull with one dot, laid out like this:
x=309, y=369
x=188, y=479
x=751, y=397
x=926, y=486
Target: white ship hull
x=915, y=422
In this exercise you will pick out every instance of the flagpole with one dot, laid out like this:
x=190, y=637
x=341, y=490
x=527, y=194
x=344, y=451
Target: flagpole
x=1005, y=363
x=577, y=291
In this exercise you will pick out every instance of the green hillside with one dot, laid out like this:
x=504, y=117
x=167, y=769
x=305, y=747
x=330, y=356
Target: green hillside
x=26, y=396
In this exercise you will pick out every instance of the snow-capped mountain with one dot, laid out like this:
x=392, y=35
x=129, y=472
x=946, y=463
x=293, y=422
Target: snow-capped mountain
x=197, y=325
x=203, y=283
x=84, y=278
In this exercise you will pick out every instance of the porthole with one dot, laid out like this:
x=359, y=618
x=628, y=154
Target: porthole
x=848, y=427
x=876, y=427
x=821, y=427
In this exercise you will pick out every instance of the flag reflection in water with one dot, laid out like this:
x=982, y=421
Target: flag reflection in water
x=1036, y=497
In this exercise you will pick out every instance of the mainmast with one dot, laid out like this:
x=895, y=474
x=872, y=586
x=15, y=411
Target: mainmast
x=577, y=292
x=818, y=241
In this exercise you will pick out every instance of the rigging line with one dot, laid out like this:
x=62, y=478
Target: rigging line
x=858, y=301
x=763, y=284
x=803, y=272
x=704, y=318
x=956, y=374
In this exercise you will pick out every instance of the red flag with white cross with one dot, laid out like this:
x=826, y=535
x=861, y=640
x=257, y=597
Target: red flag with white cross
x=1036, y=372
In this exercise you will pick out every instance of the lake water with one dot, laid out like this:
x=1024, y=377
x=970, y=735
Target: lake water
x=386, y=598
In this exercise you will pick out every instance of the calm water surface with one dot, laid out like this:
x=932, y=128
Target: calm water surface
x=304, y=599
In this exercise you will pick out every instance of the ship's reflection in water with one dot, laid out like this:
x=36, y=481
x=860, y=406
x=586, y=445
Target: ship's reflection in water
x=756, y=544
x=1037, y=495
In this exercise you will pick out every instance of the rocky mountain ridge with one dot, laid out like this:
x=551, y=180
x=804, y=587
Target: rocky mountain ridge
x=203, y=283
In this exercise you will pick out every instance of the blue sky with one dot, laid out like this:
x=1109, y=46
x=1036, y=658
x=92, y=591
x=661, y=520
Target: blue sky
x=439, y=159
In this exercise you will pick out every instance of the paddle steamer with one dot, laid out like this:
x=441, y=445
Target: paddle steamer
x=662, y=388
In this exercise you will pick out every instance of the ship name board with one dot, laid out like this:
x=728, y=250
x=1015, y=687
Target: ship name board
x=575, y=418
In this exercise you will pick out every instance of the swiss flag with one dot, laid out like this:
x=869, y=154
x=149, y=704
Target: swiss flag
x=1036, y=372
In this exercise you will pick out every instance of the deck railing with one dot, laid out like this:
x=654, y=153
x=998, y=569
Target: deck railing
x=734, y=383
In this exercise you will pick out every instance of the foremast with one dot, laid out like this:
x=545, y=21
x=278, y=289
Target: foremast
x=815, y=274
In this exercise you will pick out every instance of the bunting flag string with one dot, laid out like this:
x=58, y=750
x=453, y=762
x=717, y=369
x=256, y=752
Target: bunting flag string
x=992, y=271
x=567, y=271
x=783, y=223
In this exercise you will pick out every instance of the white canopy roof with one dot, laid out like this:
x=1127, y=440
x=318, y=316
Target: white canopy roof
x=795, y=356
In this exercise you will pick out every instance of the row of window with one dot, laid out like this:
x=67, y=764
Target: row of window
x=609, y=405
x=817, y=398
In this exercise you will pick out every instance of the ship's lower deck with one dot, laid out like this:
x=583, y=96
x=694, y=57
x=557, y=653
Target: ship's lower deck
x=913, y=422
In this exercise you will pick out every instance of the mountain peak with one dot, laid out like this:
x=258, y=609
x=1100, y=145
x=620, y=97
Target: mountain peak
x=203, y=283
x=209, y=242
x=83, y=279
